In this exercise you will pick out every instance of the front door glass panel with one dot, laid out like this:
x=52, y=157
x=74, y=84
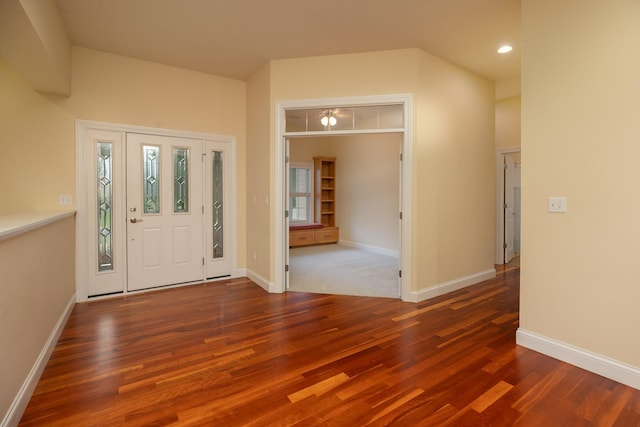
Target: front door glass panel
x=151, y=179
x=180, y=180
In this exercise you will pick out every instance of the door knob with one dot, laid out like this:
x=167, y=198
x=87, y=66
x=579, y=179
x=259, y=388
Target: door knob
x=134, y=220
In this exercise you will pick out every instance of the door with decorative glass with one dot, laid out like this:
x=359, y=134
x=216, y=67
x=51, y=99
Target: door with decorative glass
x=164, y=211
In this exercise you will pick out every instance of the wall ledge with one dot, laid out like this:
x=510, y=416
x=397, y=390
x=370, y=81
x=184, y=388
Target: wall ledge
x=16, y=224
x=592, y=362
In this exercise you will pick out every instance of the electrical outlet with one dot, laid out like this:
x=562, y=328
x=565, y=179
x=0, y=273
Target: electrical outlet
x=254, y=256
x=557, y=204
x=65, y=199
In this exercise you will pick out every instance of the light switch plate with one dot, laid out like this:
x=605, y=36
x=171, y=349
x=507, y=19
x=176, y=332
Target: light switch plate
x=557, y=204
x=65, y=199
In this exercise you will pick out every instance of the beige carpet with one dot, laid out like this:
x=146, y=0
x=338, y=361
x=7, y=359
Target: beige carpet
x=337, y=269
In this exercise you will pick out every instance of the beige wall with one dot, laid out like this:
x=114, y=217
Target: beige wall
x=368, y=185
x=508, y=123
x=454, y=178
x=37, y=145
x=33, y=39
x=259, y=172
x=580, y=134
x=453, y=148
x=118, y=89
x=37, y=283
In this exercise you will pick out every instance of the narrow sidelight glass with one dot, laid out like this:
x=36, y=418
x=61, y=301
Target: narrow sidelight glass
x=105, y=205
x=218, y=202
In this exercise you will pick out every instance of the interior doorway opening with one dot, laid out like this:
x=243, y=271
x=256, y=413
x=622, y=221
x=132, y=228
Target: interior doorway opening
x=401, y=126
x=363, y=258
x=508, y=211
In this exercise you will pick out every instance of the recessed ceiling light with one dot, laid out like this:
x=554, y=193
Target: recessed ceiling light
x=505, y=49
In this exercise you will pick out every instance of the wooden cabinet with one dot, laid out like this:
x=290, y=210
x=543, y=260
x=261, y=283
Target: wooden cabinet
x=302, y=237
x=316, y=236
x=326, y=235
x=325, y=190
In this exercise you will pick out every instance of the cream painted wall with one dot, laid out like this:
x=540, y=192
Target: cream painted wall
x=453, y=148
x=368, y=189
x=37, y=144
x=112, y=88
x=454, y=182
x=368, y=184
x=33, y=39
x=580, y=134
x=508, y=123
x=37, y=277
x=373, y=73
x=119, y=89
x=259, y=169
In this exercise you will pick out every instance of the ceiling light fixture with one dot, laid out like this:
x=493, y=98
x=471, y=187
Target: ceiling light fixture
x=328, y=119
x=505, y=48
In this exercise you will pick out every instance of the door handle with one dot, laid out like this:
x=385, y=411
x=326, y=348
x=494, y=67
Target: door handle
x=134, y=220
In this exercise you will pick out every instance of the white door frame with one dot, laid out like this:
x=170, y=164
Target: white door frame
x=280, y=241
x=84, y=157
x=499, y=242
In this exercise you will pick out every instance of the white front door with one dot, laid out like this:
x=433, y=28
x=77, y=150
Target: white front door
x=164, y=211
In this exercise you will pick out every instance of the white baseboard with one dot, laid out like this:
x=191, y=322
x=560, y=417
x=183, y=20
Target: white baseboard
x=239, y=272
x=368, y=248
x=451, y=285
x=19, y=404
x=262, y=282
x=601, y=365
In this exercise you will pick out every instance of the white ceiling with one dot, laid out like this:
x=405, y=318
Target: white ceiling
x=234, y=38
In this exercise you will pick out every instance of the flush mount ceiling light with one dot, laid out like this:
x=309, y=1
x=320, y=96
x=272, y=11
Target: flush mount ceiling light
x=328, y=119
x=505, y=48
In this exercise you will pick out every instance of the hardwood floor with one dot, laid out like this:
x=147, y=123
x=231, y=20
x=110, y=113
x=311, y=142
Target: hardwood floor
x=229, y=354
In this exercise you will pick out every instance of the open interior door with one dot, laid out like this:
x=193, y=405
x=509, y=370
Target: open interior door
x=509, y=207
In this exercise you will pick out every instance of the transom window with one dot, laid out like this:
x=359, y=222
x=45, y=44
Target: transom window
x=300, y=193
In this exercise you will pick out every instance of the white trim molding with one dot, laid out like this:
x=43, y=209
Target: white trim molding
x=592, y=362
x=19, y=404
x=263, y=283
x=452, y=285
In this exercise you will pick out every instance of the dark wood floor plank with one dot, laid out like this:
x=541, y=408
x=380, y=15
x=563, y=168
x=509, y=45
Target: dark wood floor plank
x=227, y=353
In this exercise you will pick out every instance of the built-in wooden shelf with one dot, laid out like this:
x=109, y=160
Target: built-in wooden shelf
x=325, y=190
